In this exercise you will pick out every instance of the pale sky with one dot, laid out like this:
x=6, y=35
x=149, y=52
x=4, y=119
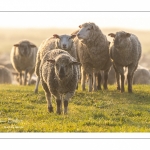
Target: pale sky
x=135, y=18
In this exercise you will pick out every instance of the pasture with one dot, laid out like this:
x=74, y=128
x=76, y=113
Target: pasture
x=103, y=111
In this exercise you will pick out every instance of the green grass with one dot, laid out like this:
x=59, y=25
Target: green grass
x=103, y=111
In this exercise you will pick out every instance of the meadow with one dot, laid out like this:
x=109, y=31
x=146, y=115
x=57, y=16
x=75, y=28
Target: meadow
x=103, y=111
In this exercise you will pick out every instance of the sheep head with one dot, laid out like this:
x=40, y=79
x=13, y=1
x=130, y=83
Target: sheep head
x=24, y=47
x=64, y=41
x=63, y=65
x=88, y=32
x=121, y=38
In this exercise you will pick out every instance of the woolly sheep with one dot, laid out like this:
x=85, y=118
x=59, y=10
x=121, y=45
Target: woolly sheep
x=141, y=76
x=23, y=57
x=59, y=77
x=64, y=42
x=93, y=53
x=5, y=75
x=125, y=52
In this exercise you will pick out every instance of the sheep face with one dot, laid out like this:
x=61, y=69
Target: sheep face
x=84, y=32
x=24, y=48
x=63, y=66
x=120, y=39
x=64, y=41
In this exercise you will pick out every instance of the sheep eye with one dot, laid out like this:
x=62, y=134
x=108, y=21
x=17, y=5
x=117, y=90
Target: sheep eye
x=88, y=28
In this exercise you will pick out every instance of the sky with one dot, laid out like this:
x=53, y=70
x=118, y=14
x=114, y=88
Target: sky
x=70, y=14
x=135, y=20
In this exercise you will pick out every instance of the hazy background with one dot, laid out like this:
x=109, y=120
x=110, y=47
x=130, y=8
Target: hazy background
x=38, y=25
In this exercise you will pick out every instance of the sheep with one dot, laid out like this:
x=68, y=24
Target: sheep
x=141, y=76
x=5, y=75
x=59, y=76
x=125, y=52
x=64, y=42
x=93, y=53
x=23, y=57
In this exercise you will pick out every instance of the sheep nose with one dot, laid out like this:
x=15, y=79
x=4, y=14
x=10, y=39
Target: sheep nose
x=64, y=45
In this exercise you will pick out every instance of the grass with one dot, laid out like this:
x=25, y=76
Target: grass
x=103, y=111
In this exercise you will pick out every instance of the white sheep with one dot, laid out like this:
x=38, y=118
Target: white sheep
x=64, y=42
x=59, y=77
x=125, y=52
x=93, y=53
x=23, y=57
x=5, y=75
x=141, y=76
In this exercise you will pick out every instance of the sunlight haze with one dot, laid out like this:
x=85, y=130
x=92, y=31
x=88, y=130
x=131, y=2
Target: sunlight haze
x=134, y=20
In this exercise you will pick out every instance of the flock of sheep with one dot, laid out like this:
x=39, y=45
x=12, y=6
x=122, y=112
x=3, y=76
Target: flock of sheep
x=62, y=60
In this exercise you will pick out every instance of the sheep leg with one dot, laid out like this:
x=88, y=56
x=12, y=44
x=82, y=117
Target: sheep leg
x=25, y=77
x=117, y=77
x=94, y=82
x=37, y=84
x=131, y=70
x=122, y=83
x=29, y=81
x=20, y=78
x=90, y=82
x=58, y=101
x=79, y=75
x=99, y=78
x=129, y=78
x=48, y=97
x=105, y=79
x=83, y=77
x=66, y=100
x=121, y=72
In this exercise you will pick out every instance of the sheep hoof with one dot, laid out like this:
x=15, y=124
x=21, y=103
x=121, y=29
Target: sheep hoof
x=35, y=91
x=50, y=109
x=130, y=91
x=118, y=88
x=58, y=112
x=99, y=88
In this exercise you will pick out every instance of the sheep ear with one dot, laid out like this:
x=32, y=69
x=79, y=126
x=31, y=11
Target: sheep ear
x=51, y=61
x=128, y=34
x=32, y=45
x=17, y=45
x=75, y=63
x=79, y=26
x=56, y=36
x=75, y=32
x=112, y=34
x=73, y=36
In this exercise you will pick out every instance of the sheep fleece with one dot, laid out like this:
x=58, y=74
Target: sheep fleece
x=48, y=75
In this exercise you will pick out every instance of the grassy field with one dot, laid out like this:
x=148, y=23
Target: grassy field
x=103, y=111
